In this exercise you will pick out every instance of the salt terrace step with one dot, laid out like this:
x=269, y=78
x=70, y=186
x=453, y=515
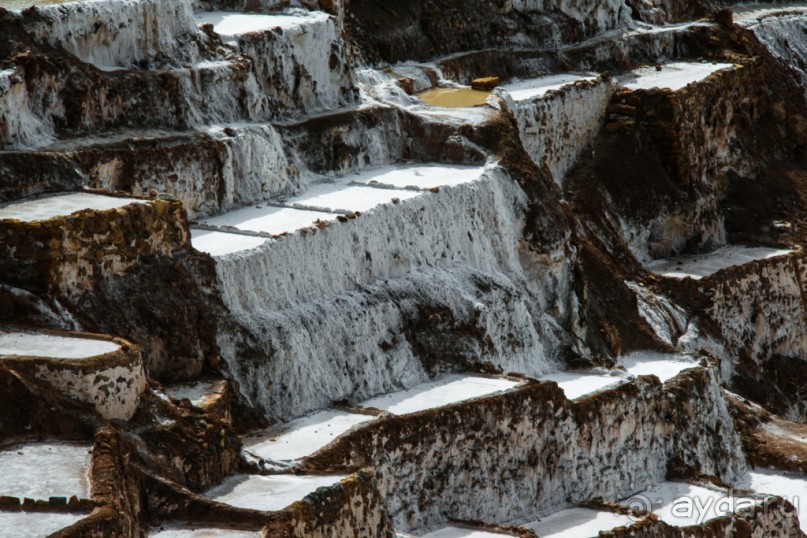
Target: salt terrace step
x=269, y=219
x=268, y=493
x=447, y=390
x=577, y=523
x=662, y=365
x=578, y=384
x=222, y=243
x=90, y=368
x=698, y=266
x=790, y=486
x=675, y=75
x=230, y=25
x=50, y=206
x=753, y=14
x=171, y=531
x=303, y=436
x=417, y=176
x=35, y=524
x=337, y=198
x=463, y=532
x=521, y=90
x=681, y=504
x=40, y=471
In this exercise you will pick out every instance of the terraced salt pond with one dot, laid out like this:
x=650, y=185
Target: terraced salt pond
x=167, y=531
x=56, y=205
x=462, y=532
x=578, y=384
x=269, y=219
x=674, y=75
x=36, y=524
x=42, y=470
x=522, y=90
x=662, y=365
x=338, y=198
x=578, y=523
x=268, y=493
x=304, y=436
x=53, y=346
x=698, y=266
x=791, y=486
x=454, y=97
x=230, y=24
x=438, y=393
x=417, y=176
x=222, y=243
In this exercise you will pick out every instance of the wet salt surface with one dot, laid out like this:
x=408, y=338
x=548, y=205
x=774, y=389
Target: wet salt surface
x=222, y=243
x=444, y=391
x=268, y=493
x=52, y=346
x=521, y=90
x=663, y=365
x=577, y=522
x=675, y=75
x=461, y=532
x=35, y=524
x=335, y=197
x=418, y=176
x=48, y=207
x=701, y=265
x=578, y=384
x=303, y=436
x=229, y=24
x=790, y=486
x=681, y=504
x=170, y=531
x=269, y=219
x=454, y=97
x=43, y=470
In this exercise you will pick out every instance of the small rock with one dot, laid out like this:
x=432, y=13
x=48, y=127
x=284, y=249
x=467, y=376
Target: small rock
x=485, y=83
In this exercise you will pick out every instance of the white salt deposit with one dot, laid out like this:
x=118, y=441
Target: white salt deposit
x=48, y=207
x=681, y=504
x=521, y=90
x=790, y=486
x=663, y=365
x=444, y=391
x=229, y=25
x=52, y=346
x=675, y=75
x=577, y=522
x=35, y=524
x=462, y=532
x=578, y=384
x=222, y=243
x=303, y=436
x=169, y=531
x=700, y=265
x=195, y=391
x=418, y=176
x=43, y=470
x=268, y=493
x=269, y=219
x=337, y=197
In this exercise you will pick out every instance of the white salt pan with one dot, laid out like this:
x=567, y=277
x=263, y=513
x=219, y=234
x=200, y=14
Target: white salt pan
x=60, y=205
x=269, y=219
x=576, y=385
x=790, y=486
x=521, y=90
x=419, y=176
x=43, y=470
x=700, y=265
x=303, y=436
x=578, y=522
x=35, y=524
x=674, y=75
x=681, y=504
x=662, y=365
x=228, y=24
x=336, y=197
x=52, y=346
x=268, y=493
x=459, y=532
x=221, y=243
x=187, y=532
x=444, y=391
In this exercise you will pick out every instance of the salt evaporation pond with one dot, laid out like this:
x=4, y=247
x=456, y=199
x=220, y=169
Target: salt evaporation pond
x=48, y=207
x=53, y=346
x=438, y=393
